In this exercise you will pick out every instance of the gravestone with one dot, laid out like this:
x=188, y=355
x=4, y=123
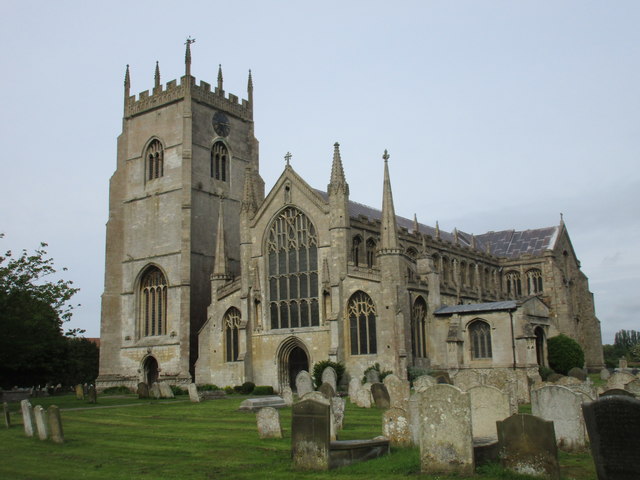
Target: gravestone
x=586, y=389
x=633, y=387
x=165, y=390
x=330, y=376
x=363, y=398
x=488, y=405
x=578, y=373
x=414, y=418
x=41, y=422
x=380, y=395
x=327, y=390
x=565, y=381
x=79, y=392
x=605, y=374
x=619, y=380
x=354, y=386
x=554, y=377
x=193, y=393
x=467, y=378
x=7, y=415
x=396, y=427
x=310, y=431
x=268, y=421
x=446, y=444
x=563, y=407
x=613, y=424
x=143, y=390
x=287, y=396
x=527, y=445
x=442, y=376
x=55, y=424
x=399, y=391
x=622, y=363
x=93, y=395
x=155, y=391
x=304, y=383
x=255, y=404
x=423, y=382
x=372, y=376
x=337, y=407
x=616, y=392
x=27, y=418
x=319, y=397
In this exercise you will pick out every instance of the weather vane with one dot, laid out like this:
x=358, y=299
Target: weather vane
x=190, y=40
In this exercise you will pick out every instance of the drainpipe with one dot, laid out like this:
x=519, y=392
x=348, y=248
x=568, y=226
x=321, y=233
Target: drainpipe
x=513, y=339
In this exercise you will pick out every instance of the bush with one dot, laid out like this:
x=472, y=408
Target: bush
x=229, y=390
x=415, y=372
x=376, y=367
x=245, y=389
x=564, y=354
x=263, y=390
x=544, y=372
x=120, y=390
x=319, y=367
x=177, y=390
x=208, y=387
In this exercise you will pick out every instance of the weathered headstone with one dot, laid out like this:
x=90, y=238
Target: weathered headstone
x=633, y=387
x=363, y=398
x=565, y=381
x=399, y=391
x=622, y=363
x=414, y=418
x=423, y=382
x=41, y=422
x=445, y=435
x=561, y=406
x=287, y=396
x=488, y=405
x=578, y=373
x=319, y=397
x=7, y=415
x=527, y=445
x=304, y=383
x=372, y=376
x=79, y=392
x=165, y=390
x=27, y=418
x=619, y=380
x=554, y=377
x=327, y=390
x=268, y=421
x=354, y=386
x=337, y=408
x=193, y=393
x=613, y=424
x=143, y=390
x=618, y=392
x=310, y=431
x=442, y=376
x=380, y=395
x=396, y=427
x=155, y=391
x=55, y=424
x=93, y=394
x=467, y=378
x=605, y=374
x=330, y=376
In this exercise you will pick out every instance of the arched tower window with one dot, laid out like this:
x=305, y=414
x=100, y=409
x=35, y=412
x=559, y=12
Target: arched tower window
x=534, y=281
x=219, y=161
x=153, y=303
x=356, y=246
x=292, y=247
x=540, y=345
x=155, y=160
x=231, y=324
x=371, y=252
x=419, y=328
x=480, y=337
x=514, y=284
x=362, y=324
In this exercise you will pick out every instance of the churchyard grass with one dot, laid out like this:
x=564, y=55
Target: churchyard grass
x=208, y=440
x=70, y=401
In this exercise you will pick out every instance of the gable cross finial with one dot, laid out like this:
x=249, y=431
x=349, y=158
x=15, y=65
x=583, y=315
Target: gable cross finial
x=287, y=158
x=190, y=40
x=385, y=155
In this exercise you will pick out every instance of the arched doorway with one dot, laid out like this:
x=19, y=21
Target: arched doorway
x=150, y=370
x=540, y=346
x=292, y=359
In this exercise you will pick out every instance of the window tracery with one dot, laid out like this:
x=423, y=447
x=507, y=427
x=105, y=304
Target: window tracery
x=419, y=328
x=361, y=312
x=514, y=284
x=356, y=247
x=371, y=252
x=231, y=322
x=480, y=336
x=155, y=160
x=534, y=281
x=219, y=161
x=153, y=303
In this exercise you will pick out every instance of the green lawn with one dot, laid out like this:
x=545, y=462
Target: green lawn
x=210, y=440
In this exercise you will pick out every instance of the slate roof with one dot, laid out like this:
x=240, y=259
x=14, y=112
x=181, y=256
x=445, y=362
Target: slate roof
x=476, y=307
x=505, y=243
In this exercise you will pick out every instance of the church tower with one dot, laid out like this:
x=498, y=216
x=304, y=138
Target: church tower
x=182, y=157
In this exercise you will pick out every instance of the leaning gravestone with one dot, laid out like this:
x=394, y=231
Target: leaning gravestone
x=613, y=424
x=268, y=421
x=399, y=391
x=446, y=444
x=7, y=416
x=93, y=395
x=619, y=380
x=527, y=445
x=396, y=427
x=310, y=431
x=633, y=387
x=41, y=422
x=327, y=390
x=578, y=373
x=561, y=406
x=193, y=393
x=287, y=396
x=380, y=395
x=329, y=376
x=337, y=407
x=616, y=392
x=354, y=386
x=488, y=406
x=304, y=383
x=363, y=398
x=372, y=376
x=423, y=382
x=55, y=424
x=155, y=391
x=27, y=418
x=143, y=390
x=79, y=392
x=165, y=390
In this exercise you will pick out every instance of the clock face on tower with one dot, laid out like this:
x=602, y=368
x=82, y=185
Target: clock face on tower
x=221, y=124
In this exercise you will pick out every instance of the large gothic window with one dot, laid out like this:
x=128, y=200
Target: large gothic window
x=534, y=281
x=153, y=303
x=155, y=160
x=292, y=247
x=514, y=284
x=231, y=323
x=362, y=324
x=419, y=328
x=480, y=336
x=219, y=161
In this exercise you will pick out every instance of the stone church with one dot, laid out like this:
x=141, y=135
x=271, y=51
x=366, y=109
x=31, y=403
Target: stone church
x=210, y=279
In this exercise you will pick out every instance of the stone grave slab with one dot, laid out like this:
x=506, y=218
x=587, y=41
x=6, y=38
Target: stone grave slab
x=414, y=418
x=194, y=396
x=563, y=407
x=55, y=424
x=27, y=418
x=488, y=405
x=143, y=390
x=7, y=415
x=363, y=398
x=287, y=396
x=304, y=383
x=380, y=395
x=399, y=391
x=396, y=427
x=337, y=408
x=155, y=391
x=255, y=404
x=330, y=376
x=268, y=421
x=165, y=390
x=310, y=435
x=605, y=374
x=40, y=416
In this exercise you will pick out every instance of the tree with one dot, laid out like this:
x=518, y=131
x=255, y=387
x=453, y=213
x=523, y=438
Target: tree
x=564, y=354
x=625, y=340
x=32, y=312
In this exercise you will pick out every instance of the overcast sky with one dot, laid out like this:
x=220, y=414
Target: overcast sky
x=496, y=114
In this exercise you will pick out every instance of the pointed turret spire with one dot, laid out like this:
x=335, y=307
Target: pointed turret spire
x=561, y=219
x=389, y=233
x=416, y=227
x=424, y=243
x=250, y=88
x=220, y=90
x=437, y=230
x=156, y=76
x=187, y=56
x=127, y=83
x=220, y=263
x=456, y=240
x=338, y=183
x=326, y=280
x=473, y=241
x=249, y=203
